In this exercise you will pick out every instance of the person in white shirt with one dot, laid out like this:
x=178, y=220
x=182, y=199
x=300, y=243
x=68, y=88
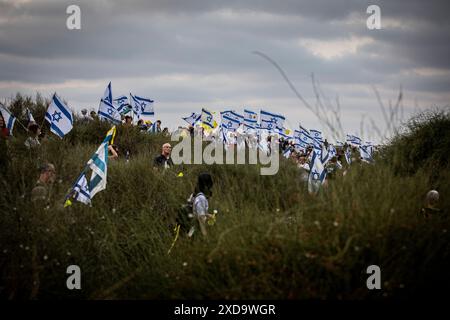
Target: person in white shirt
x=203, y=191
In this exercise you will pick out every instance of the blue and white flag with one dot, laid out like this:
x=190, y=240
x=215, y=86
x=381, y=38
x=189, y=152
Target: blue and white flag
x=121, y=103
x=366, y=153
x=82, y=193
x=30, y=116
x=107, y=95
x=267, y=124
x=300, y=146
x=316, y=134
x=282, y=133
x=306, y=138
x=207, y=119
x=59, y=116
x=229, y=123
x=353, y=140
x=327, y=153
x=332, y=151
x=193, y=118
x=250, y=119
x=317, y=174
x=99, y=165
x=8, y=118
x=142, y=106
x=267, y=117
x=348, y=155
x=107, y=111
x=234, y=115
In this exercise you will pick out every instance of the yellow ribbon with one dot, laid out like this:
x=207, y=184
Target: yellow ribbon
x=177, y=232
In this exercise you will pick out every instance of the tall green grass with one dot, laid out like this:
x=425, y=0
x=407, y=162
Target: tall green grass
x=271, y=240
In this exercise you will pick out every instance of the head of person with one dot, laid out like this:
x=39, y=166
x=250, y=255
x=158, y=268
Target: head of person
x=432, y=199
x=84, y=112
x=302, y=159
x=93, y=113
x=140, y=122
x=165, y=130
x=47, y=173
x=158, y=123
x=204, y=184
x=166, y=150
x=128, y=119
x=34, y=129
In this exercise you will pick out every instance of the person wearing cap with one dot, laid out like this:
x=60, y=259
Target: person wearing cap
x=164, y=160
x=42, y=190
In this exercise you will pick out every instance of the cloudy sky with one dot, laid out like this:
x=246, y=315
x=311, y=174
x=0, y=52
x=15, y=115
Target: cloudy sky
x=188, y=54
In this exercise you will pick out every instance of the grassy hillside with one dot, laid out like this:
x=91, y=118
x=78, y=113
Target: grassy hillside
x=271, y=240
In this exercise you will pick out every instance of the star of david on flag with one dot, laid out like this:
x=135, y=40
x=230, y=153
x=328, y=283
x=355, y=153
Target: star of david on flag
x=59, y=117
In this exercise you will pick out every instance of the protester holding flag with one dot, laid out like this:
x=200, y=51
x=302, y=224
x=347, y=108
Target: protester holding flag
x=33, y=140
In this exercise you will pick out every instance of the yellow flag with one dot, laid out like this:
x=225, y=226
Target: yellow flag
x=110, y=135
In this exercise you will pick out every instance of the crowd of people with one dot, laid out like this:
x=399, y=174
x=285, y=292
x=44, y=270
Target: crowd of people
x=198, y=210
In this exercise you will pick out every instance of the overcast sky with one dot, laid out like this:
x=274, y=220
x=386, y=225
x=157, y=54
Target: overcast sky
x=189, y=54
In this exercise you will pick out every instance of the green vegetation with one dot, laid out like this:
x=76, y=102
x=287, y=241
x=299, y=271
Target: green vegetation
x=271, y=240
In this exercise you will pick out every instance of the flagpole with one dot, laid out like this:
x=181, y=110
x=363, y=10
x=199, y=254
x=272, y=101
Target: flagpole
x=87, y=166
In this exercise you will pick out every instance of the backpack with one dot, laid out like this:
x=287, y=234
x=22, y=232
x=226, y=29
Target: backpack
x=185, y=217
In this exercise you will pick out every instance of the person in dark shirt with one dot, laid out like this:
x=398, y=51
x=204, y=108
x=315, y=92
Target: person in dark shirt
x=164, y=160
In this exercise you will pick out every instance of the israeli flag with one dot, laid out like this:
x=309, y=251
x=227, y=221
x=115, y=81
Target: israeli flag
x=120, y=103
x=332, y=151
x=81, y=187
x=107, y=95
x=229, y=123
x=107, y=111
x=250, y=119
x=317, y=174
x=99, y=165
x=348, y=155
x=234, y=115
x=300, y=146
x=267, y=117
x=306, y=138
x=297, y=134
x=268, y=124
x=8, y=118
x=316, y=134
x=353, y=140
x=366, y=153
x=59, y=116
x=193, y=118
x=207, y=118
x=282, y=133
x=142, y=106
x=29, y=116
x=325, y=155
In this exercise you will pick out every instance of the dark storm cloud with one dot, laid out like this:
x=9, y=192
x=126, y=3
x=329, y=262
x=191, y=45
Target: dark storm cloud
x=199, y=52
